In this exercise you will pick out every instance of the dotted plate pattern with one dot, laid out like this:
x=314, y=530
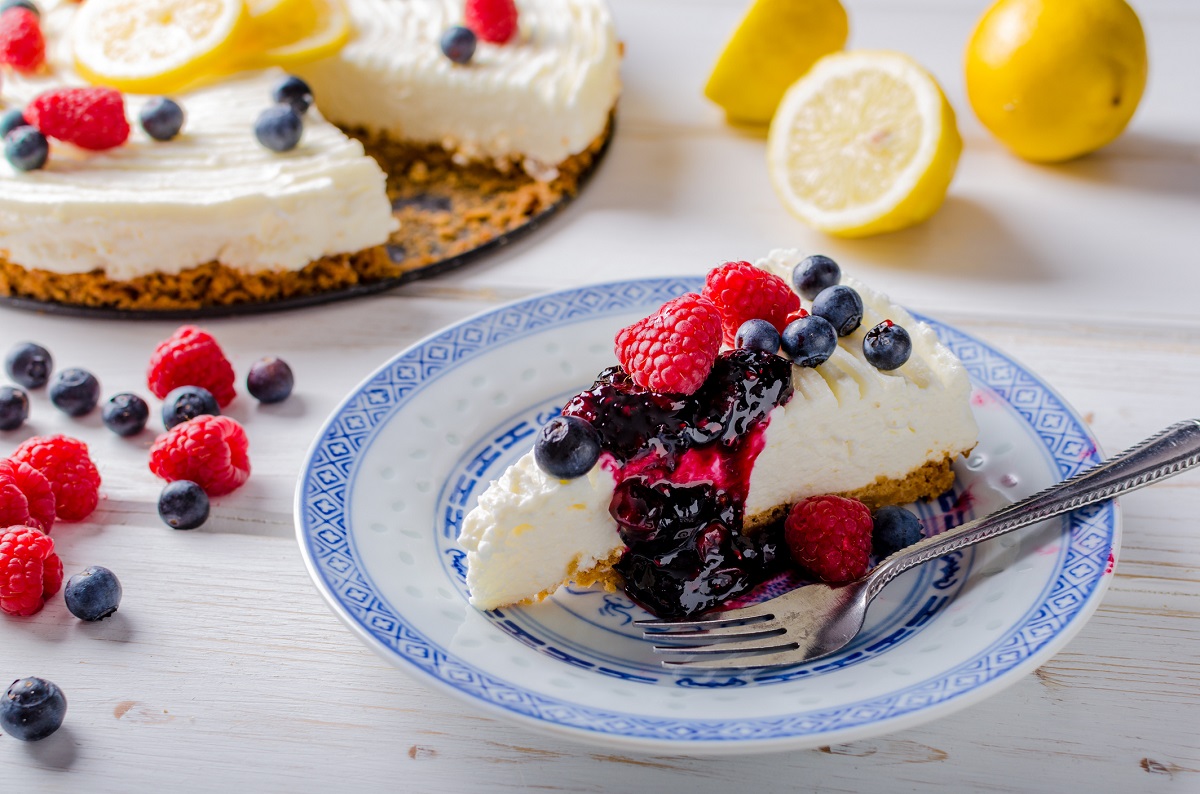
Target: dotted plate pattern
x=1089, y=540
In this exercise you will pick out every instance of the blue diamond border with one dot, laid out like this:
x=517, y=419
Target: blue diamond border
x=323, y=534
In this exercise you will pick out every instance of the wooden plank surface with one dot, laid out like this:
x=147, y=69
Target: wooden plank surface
x=225, y=669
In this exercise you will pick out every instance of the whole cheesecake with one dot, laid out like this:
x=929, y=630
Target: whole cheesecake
x=214, y=218
x=844, y=427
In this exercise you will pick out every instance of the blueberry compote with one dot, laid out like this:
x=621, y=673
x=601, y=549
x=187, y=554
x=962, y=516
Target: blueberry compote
x=682, y=465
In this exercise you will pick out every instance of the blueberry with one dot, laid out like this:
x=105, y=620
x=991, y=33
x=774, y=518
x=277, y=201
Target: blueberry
x=26, y=149
x=895, y=529
x=94, y=594
x=757, y=335
x=14, y=408
x=270, y=380
x=293, y=91
x=841, y=306
x=32, y=709
x=809, y=341
x=29, y=364
x=183, y=505
x=887, y=346
x=75, y=391
x=11, y=119
x=279, y=128
x=458, y=44
x=26, y=4
x=814, y=274
x=125, y=414
x=567, y=447
x=161, y=118
x=188, y=402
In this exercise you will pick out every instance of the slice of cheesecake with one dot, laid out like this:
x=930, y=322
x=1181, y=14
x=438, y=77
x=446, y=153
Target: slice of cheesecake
x=843, y=427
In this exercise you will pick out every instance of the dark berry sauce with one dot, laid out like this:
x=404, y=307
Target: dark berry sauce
x=682, y=465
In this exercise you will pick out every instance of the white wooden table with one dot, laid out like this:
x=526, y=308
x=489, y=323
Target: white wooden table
x=224, y=668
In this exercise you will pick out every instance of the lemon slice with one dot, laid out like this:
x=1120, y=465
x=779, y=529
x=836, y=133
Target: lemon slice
x=153, y=46
x=864, y=143
x=776, y=42
x=309, y=30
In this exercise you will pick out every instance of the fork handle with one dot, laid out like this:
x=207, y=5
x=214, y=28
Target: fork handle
x=1166, y=454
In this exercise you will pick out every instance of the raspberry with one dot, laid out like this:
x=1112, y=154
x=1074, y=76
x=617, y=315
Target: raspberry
x=30, y=571
x=90, y=118
x=744, y=292
x=21, y=43
x=491, y=20
x=73, y=477
x=674, y=349
x=208, y=450
x=26, y=496
x=191, y=357
x=830, y=536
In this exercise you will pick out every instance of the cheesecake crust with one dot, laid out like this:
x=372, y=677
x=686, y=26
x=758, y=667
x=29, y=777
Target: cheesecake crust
x=445, y=208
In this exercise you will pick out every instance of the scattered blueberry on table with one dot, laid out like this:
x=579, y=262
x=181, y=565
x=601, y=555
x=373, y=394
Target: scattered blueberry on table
x=183, y=504
x=14, y=407
x=188, y=402
x=93, y=594
x=75, y=391
x=270, y=380
x=125, y=414
x=32, y=709
x=29, y=364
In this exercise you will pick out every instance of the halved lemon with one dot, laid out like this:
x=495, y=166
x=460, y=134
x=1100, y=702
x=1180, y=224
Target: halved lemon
x=866, y=142
x=308, y=31
x=776, y=42
x=154, y=46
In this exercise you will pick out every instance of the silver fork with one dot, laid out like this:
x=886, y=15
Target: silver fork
x=819, y=619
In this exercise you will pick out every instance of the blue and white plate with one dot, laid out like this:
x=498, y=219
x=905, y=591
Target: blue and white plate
x=388, y=480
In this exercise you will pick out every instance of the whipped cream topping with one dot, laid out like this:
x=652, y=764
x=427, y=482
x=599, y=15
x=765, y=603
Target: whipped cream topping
x=537, y=99
x=212, y=194
x=847, y=425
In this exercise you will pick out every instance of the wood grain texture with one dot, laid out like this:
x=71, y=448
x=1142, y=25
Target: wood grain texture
x=224, y=669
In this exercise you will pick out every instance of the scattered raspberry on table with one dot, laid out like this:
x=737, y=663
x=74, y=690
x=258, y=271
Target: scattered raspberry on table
x=211, y=451
x=191, y=357
x=66, y=464
x=30, y=571
x=26, y=496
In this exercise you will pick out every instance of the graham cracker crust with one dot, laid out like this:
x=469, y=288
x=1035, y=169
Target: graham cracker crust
x=445, y=208
x=931, y=479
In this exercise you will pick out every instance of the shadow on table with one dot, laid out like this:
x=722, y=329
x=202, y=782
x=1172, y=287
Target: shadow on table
x=57, y=751
x=962, y=241
x=1141, y=161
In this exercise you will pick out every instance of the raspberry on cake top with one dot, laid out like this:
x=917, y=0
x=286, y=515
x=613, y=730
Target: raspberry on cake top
x=870, y=406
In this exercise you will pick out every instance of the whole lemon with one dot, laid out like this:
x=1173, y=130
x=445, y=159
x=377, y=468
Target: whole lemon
x=1056, y=79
